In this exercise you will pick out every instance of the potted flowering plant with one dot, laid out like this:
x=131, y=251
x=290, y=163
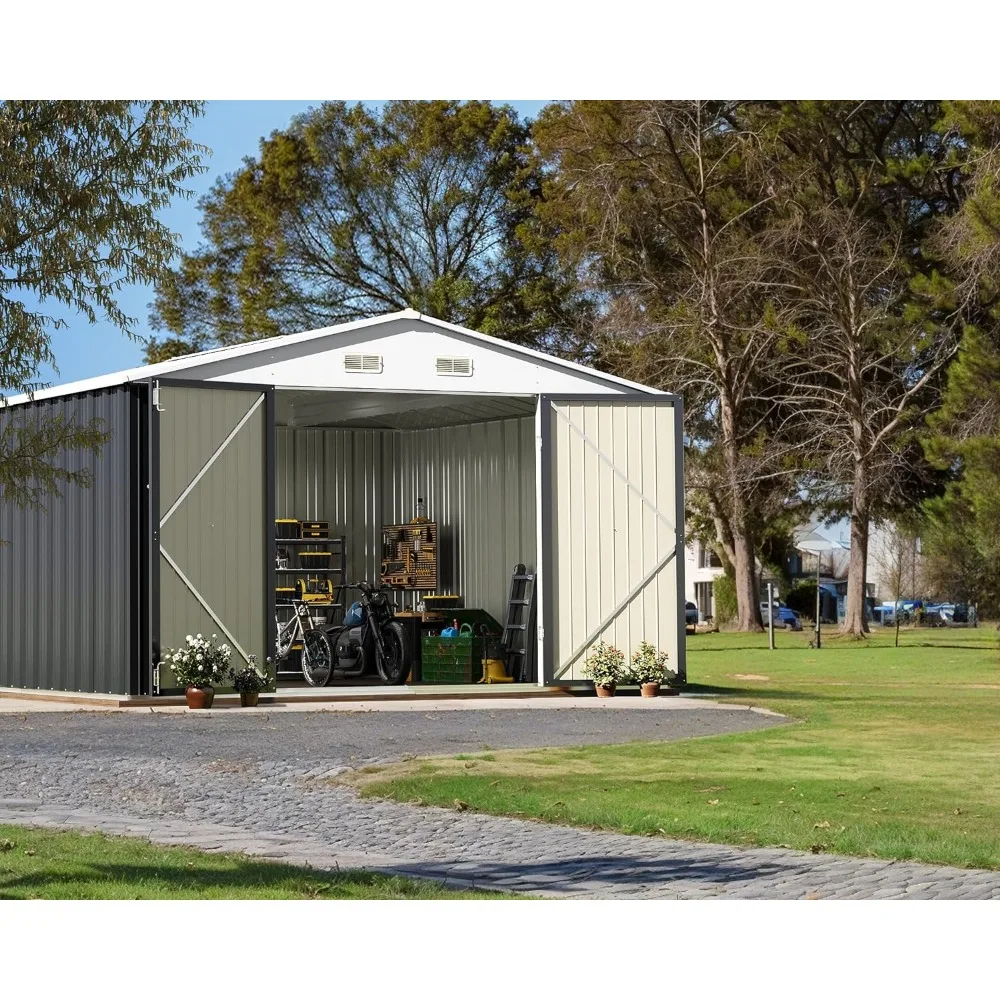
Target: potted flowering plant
x=605, y=667
x=199, y=665
x=249, y=681
x=648, y=669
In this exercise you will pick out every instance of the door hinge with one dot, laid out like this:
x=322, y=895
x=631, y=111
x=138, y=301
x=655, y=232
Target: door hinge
x=541, y=633
x=156, y=398
x=156, y=679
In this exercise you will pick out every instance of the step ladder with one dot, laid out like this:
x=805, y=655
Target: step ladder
x=516, y=638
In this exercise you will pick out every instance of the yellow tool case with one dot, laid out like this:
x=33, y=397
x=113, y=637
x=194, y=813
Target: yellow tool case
x=315, y=589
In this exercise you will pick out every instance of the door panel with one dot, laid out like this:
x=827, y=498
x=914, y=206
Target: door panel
x=615, y=527
x=214, y=499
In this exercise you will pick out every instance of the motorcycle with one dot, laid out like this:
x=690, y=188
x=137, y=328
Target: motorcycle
x=368, y=637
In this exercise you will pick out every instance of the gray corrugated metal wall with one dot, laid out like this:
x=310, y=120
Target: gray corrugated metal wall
x=65, y=614
x=478, y=481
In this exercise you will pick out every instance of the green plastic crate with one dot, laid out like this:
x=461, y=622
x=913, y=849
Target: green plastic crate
x=457, y=660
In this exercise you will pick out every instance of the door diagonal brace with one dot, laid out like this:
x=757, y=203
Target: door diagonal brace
x=201, y=600
x=629, y=598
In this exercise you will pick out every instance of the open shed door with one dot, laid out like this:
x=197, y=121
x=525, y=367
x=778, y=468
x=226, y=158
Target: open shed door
x=612, y=528
x=214, y=497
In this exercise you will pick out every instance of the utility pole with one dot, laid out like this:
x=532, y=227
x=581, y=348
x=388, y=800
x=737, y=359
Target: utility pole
x=819, y=633
x=770, y=616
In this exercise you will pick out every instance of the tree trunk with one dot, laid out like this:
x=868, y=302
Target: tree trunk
x=747, y=595
x=741, y=538
x=855, y=619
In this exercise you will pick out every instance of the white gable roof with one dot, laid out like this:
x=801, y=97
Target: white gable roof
x=408, y=345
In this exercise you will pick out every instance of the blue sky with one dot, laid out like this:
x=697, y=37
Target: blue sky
x=232, y=130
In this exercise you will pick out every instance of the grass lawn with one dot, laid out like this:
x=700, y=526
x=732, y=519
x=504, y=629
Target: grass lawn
x=41, y=864
x=895, y=754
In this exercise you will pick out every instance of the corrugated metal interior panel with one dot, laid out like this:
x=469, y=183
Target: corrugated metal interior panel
x=65, y=614
x=613, y=569
x=477, y=479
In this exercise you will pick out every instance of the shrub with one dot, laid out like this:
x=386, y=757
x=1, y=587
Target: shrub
x=201, y=663
x=724, y=591
x=605, y=665
x=248, y=678
x=648, y=665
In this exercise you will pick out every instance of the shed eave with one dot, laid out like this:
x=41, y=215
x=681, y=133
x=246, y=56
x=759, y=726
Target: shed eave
x=179, y=366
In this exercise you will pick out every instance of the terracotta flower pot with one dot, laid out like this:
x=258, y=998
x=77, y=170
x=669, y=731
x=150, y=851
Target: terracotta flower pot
x=199, y=697
x=249, y=699
x=651, y=689
x=605, y=690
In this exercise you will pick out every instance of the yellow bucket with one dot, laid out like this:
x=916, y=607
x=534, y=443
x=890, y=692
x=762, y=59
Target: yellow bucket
x=494, y=672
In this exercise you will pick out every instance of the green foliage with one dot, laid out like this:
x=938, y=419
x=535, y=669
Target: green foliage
x=724, y=592
x=35, y=455
x=351, y=212
x=648, y=665
x=960, y=547
x=249, y=678
x=605, y=665
x=83, y=182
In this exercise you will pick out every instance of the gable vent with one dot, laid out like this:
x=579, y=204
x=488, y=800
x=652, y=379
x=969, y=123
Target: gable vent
x=363, y=364
x=454, y=366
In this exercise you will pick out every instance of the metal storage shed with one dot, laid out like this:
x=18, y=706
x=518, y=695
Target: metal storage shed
x=521, y=458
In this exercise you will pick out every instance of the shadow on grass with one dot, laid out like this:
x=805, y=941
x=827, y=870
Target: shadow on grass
x=737, y=649
x=776, y=694
x=258, y=877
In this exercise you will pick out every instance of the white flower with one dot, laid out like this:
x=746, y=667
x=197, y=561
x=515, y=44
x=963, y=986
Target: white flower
x=199, y=635
x=189, y=638
x=199, y=657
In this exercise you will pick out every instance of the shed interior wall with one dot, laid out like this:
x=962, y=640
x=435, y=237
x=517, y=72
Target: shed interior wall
x=477, y=480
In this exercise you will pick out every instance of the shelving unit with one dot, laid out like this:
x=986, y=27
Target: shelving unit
x=336, y=545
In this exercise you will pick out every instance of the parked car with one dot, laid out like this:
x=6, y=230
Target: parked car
x=690, y=614
x=784, y=617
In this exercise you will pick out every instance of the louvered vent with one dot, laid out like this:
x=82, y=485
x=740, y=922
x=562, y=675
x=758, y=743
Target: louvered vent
x=454, y=366
x=363, y=364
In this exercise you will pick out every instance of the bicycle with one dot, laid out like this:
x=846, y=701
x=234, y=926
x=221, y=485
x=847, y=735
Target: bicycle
x=317, y=656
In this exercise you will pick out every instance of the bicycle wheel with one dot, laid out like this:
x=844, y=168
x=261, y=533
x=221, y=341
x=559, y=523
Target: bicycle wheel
x=317, y=658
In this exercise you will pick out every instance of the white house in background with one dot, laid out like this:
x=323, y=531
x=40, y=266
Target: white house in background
x=702, y=567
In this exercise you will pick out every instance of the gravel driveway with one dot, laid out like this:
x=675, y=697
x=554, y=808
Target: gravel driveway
x=255, y=782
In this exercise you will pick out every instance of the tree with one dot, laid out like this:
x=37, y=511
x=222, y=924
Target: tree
x=658, y=207
x=896, y=553
x=962, y=540
x=960, y=545
x=82, y=183
x=351, y=212
x=861, y=187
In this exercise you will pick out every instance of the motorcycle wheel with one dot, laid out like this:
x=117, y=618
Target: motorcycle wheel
x=317, y=658
x=394, y=667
